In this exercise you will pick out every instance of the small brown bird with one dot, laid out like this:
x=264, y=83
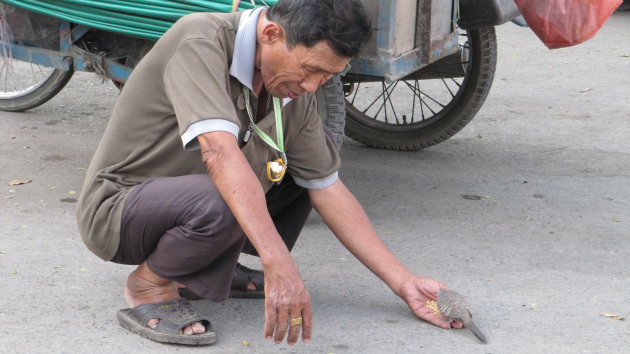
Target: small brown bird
x=453, y=305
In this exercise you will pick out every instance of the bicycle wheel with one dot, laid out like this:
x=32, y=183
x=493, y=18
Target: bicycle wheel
x=25, y=85
x=415, y=113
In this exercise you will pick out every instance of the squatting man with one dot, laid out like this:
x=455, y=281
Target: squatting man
x=215, y=148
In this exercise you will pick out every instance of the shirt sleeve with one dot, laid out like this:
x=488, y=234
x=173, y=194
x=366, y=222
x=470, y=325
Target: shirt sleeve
x=195, y=81
x=312, y=156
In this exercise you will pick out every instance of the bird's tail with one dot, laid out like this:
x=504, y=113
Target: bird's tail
x=473, y=328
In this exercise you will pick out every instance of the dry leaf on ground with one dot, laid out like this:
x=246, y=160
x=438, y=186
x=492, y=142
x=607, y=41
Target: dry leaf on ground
x=16, y=182
x=614, y=317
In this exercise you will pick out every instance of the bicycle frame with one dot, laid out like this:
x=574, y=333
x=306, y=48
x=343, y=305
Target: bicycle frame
x=68, y=58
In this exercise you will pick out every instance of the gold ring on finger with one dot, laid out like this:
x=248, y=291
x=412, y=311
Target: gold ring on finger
x=296, y=321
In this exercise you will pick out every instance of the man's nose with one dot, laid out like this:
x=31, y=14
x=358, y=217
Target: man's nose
x=311, y=83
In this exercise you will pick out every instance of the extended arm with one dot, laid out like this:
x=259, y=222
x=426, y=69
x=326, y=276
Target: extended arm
x=348, y=221
x=285, y=294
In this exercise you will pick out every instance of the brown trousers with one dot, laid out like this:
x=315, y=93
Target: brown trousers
x=184, y=230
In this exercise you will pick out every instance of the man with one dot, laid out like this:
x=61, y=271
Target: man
x=190, y=166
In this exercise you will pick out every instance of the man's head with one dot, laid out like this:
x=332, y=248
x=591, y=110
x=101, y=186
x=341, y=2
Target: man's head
x=302, y=43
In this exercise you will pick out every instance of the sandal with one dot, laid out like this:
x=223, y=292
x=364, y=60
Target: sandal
x=173, y=315
x=242, y=277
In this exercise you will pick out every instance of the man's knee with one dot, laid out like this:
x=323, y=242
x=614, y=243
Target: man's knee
x=209, y=214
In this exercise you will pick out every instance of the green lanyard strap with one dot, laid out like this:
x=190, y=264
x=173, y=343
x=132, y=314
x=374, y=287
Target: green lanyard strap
x=277, y=110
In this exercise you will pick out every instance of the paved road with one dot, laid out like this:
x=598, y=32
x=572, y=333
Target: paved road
x=541, y=256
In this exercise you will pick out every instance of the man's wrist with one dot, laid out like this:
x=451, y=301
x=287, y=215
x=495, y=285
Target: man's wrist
x=276, y=258
x=400, y=283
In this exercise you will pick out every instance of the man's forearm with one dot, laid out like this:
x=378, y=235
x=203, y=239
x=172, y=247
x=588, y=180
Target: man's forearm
x=241, y=191
x=348, y=221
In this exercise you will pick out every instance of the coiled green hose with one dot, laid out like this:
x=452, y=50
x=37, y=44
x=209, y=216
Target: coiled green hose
x=147, y=19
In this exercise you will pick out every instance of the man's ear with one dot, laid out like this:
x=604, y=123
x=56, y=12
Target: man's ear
x=271, y=33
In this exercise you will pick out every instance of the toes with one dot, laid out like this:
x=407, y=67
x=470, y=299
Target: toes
x=193, y=328
x=251, y=286
x=153, y=323
x=198, y=328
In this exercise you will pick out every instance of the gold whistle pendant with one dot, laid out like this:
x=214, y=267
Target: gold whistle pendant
x=276, y=170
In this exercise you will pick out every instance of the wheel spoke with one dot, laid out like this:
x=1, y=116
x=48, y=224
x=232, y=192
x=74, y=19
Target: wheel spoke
x=384, y=102
x=417, y=87
x=6, y=80
x=389, y=94
x=417, y=92
x=375, y=99
x=2, y=68
x=431, y=98
x=41, y=70
x=33, y=72
x=413, y=103
x=13, y=82
x=356, y=90
x=448, y=88
x=420, y=93
x=386, y=94
x=7, y=53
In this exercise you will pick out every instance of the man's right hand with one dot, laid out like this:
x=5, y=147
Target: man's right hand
x=286, y=299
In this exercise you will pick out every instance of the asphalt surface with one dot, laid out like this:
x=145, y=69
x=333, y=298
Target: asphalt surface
x=543, y=255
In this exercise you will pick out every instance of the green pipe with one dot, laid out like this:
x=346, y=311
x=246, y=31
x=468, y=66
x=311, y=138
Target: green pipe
x=106, y=16
x=155, y=6
x=170, y=4
x=244, y=4
x=137, y=18
x=131, y=10
x=130, y=31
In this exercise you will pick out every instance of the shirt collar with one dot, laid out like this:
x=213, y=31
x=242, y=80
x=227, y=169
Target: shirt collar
x=244, y=57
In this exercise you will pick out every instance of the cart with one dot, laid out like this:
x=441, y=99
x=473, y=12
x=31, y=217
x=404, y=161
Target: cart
x=422, y=77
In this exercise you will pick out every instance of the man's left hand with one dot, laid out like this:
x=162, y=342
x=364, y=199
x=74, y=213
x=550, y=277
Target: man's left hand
x=416, y=292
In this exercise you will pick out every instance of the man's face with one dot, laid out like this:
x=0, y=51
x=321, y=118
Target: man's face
x=290, y=73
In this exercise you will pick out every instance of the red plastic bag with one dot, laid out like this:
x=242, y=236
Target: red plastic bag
x=563, y=23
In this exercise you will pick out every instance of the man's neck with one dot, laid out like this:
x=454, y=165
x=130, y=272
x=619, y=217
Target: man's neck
x=257, y=82
x=264, y=105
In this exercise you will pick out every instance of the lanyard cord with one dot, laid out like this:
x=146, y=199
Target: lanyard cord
x=277, y=110
x=235, y=4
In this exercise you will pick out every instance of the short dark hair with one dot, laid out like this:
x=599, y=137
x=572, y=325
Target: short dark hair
x=342, y=23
